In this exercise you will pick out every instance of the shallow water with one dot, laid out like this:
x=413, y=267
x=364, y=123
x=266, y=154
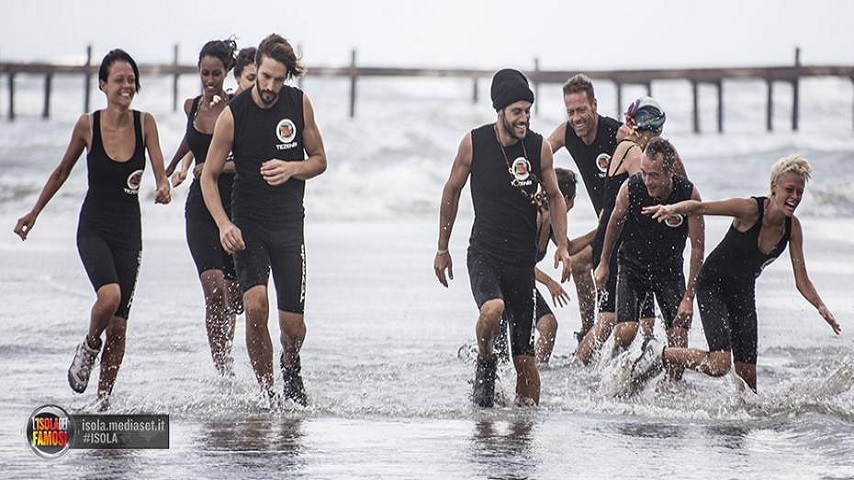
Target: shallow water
x=388, y=391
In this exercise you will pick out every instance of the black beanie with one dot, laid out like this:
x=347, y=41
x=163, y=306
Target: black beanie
x=509, y=86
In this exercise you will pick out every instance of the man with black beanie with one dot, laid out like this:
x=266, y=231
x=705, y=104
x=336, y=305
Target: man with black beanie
x=511, y=169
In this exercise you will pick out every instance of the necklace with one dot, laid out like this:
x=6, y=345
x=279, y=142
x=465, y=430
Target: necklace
x=539, y=198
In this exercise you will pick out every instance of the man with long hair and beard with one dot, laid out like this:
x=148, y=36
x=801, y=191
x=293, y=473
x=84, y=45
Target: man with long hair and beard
x=508, y=164
x=276, y=144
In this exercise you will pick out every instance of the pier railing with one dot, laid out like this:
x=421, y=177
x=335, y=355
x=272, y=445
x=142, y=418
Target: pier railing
x=791, y=74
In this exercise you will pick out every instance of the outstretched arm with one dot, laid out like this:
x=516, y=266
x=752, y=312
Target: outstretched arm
x=559, y=295
x=802, y=279
x=80, y=138
x=448, y=209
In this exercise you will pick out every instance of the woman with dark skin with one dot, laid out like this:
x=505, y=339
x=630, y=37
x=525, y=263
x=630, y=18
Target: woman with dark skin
x=109, y=236
x=215, y=266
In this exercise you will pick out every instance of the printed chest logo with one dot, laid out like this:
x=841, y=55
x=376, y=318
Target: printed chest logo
x=133, y=181
x=521, y=170
x=674, y=221
x=602, y=163
x=286, y=131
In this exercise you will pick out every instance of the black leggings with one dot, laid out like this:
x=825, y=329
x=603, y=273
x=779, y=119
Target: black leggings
x=728, y=312
x=109, y=261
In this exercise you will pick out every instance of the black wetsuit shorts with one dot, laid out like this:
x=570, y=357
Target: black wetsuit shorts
x=633, y=287
x=108, y=260
x=280, y=250
x=728, y=312
x=491, y=279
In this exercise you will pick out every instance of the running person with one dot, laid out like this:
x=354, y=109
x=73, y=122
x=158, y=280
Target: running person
x=245, y=71
x=214, y=265
x=760, y=230
x=109, y=234
x=545, y=320
x=590, y=139
x=269, y=129
x=507, y=162
x=650, y=254
x=644, y=121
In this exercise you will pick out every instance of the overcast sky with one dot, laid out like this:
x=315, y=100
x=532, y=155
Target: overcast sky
x=564, y=34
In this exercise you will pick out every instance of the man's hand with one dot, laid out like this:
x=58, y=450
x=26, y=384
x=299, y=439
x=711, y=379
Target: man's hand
x=441, y=263
x=231, y=238
x=277, y=172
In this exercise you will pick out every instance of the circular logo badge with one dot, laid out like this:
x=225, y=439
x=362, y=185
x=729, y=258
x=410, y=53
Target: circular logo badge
x=286, y=130
x=674, y=221
x=520, y=169
x=49, y=431
x=602, y=162
x=133, y=181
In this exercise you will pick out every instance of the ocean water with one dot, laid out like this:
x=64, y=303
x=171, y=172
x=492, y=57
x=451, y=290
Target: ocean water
x=388, y=388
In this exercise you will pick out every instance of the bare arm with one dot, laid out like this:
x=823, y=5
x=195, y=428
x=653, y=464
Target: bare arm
x=277, y=172
x=557, y=138
x=183, y=147
x=221, y=143
x=557, y=210
x=155, y=156
x=448, y=208
x=578, y=244
x=697, y=236
x=559, y=295
x=612, y=233
x=802, y=279
x=80, y=138
x=743, y=209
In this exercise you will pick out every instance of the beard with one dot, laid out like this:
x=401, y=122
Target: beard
x=268, y=97
x=510, y=130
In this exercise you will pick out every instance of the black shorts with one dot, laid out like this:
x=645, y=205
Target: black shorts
x=280, y=250
x=728, y=312
x=607, y=299
x=541, y=306
x=108, y=260
x=490, y=279
x=206, y=249
x=633, y=287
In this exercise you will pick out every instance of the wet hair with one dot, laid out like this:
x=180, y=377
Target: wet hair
x=566, y=181
x=117, y=55
x=244, y=57
x=790, y=164
x=579, y=83
x=277, y=48
x=220, y=49
x=660, y=146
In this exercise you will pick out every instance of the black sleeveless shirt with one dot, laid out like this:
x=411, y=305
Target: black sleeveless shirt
x=610, y=188
x=260, y=135
x=112, y=201
x=650, y=247
x=199, y=144
x=505, y=219
x=737, y=258
x=593, y=160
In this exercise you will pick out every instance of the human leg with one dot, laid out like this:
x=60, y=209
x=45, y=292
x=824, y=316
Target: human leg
x=218, y=324
x=585, y=290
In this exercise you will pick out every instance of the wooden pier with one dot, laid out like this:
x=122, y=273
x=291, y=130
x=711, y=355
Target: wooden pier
x=791, y=74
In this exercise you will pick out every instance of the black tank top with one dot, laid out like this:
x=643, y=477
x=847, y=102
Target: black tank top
x=592, y=160
x=199, y=144
x=648, y=246
x=112, y=201
x=260, y=135
x=737, y=257
x=505, y=220
x=610, y=188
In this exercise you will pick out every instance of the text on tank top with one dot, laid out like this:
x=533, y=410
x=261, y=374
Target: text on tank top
x=593, y=160
x=260, y=135
x=738, y=257
x=505, y=219
x=649, y=245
